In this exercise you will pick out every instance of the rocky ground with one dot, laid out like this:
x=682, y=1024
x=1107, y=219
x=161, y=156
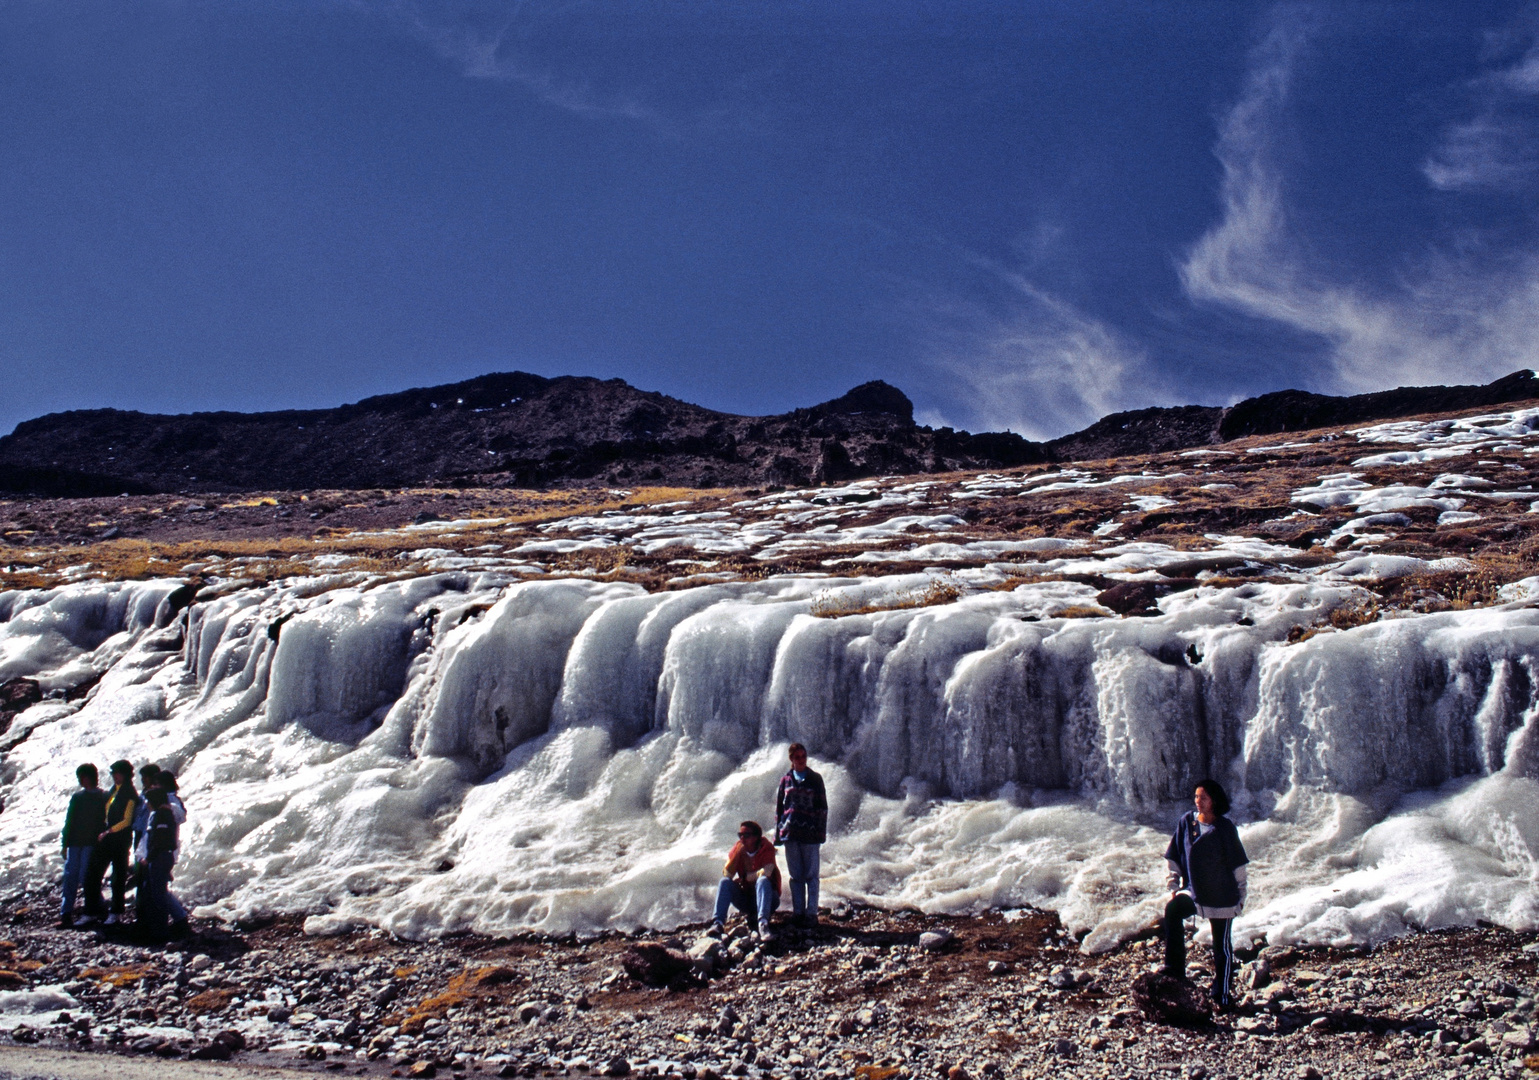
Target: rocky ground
x=869, y=995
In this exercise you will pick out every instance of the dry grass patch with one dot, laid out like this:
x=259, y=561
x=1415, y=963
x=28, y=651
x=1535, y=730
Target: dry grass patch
x=465, y=988
x=938, y=591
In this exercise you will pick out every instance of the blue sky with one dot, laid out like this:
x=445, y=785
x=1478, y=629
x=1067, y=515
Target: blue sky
x=1023, y=214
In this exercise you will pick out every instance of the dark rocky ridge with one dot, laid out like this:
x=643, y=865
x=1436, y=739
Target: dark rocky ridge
x=504, y=429
x=522, y=430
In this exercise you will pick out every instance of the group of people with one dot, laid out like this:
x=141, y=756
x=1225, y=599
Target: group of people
x=750, y=880
x=1207, y=866
x=122, y=828
x=133, y=834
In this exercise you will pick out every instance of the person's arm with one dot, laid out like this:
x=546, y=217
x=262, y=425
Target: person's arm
x=178, y=811
x=69, y=819
x=1173, y=858
x=780, y=808
x=1241, y=878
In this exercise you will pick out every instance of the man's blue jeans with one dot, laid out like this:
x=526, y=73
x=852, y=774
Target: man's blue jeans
x=758, y=907
x=804, y=862
x=76, y=859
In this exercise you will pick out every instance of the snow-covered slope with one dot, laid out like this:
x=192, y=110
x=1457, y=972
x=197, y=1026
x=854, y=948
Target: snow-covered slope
x=470, y=749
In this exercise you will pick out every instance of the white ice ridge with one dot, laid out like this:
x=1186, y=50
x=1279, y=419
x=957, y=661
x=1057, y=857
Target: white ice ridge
x=463, y=751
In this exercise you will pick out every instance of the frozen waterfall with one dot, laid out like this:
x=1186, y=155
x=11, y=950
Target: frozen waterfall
x=456, y=751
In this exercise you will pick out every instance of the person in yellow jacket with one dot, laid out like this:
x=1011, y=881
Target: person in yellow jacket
x=113, y=846
x=750, y=881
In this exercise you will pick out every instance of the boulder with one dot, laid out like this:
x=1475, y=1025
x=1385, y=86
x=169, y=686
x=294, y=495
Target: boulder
x=1168, y=1000
x=655, y=965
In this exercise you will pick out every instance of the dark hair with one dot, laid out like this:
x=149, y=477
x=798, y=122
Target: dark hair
x=752, y=826
x=167, y=780
x=149, y=772
x=156, y=797
x=1215, y=792
x=86, y=774
x=126, y=768
x=796, y=748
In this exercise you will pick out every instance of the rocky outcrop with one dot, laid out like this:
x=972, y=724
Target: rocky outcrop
x=512, y=429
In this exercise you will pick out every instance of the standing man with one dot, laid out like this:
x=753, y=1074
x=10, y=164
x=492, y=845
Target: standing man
x=83, y=823
x=801, y=827
x=160, y=846
x=113, y=845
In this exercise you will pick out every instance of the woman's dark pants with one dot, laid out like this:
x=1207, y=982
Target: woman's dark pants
x=1181, y=908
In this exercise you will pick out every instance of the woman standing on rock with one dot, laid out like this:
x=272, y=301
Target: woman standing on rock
x=1207, y=879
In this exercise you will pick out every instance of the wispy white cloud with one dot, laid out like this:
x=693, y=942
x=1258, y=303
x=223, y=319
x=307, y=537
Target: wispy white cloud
x=1458, y=316
x=1498, y=147
x=497, y=46
x=1032, y=364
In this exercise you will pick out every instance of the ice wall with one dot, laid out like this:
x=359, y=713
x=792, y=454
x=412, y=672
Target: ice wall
x=459, y=751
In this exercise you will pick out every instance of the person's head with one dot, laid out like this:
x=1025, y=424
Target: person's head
x=156, y=797
x=1212, y=793
x=149, y=775
x=122, y=772
x=167, y=780
x=750, y=833
x=86, y=774
x=798, y=756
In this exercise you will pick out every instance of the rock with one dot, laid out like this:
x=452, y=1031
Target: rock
x=508, y=1071
x=956, y=1072
x=387, y=994
x=1306, y=977
x=708, y=1073
x=1064, y=1048
x=847, y=1027
x=1168, y=1000
x=1521, y=1038
x=19, y=694
x=999, y=967
x=617, y=1066
x=199, y=963
x=1320, y=1024
x=1061, y=978
x=213, y=1051
x=1254, y=1025
x=1307, y=1072
x=1097, y=1042
x=1256, y=974
x=530, y=1009
x=423, y=1069
x=279, y=1015
x=313, y=1053
x=935, y=940
x=655, y=965
x=1478, y=1047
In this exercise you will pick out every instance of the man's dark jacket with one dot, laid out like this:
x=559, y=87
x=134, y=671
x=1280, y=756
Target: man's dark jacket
x=801, y=809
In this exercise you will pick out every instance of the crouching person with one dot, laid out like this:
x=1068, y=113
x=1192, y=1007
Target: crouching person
x=750, y=881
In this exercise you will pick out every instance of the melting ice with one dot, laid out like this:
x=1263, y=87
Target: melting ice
x=465, y=751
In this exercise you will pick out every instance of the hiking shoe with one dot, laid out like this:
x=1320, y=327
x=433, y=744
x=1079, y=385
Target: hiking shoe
x=766, y=935
x=66, y=923
x=112, y=920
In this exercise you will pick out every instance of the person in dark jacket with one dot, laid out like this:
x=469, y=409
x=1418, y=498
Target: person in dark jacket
x=1207, y=879
x=113, y=845
x=160, y=840
x=801, y=827
x=83, y=823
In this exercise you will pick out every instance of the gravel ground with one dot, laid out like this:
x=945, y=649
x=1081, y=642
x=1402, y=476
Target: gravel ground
x=869, y=995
